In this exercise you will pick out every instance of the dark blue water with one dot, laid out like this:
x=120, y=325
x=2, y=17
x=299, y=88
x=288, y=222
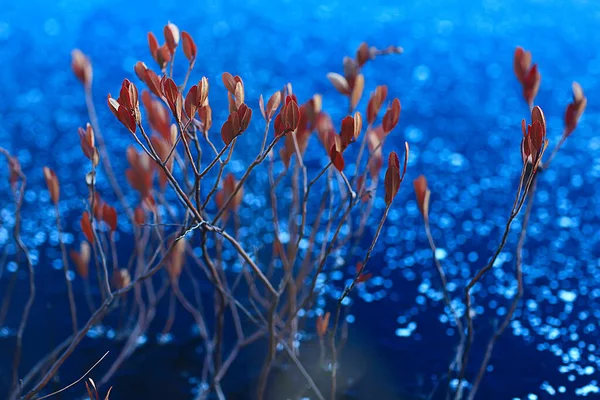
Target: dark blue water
x=461, y=114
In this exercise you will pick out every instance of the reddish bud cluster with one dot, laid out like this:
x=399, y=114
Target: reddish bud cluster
x=272, y=105
x=393, y=179
x=172, y=96
x=235, y=90
x=352, y=83
x=422, y=192
x=81, y=259
x=377, y=99
x=197, y=97
x=126, y=107
x=236, y=123
x=52, y=184
x=82, y=67
x=309, y=113
x=534, y=140
x=288, y=118
x=88, y=144
x=164, y=54
x=528, y=75
x=350, y=131
x=391, y=117
x=149, y=77
x=575, y=109
x=189, y=47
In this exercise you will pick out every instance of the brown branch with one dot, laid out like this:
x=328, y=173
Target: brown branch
x=63, y=251
x=19, y=193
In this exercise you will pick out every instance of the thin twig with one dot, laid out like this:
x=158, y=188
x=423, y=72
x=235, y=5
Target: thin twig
x=78, y=380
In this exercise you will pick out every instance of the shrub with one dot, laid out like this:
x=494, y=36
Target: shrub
x=188, y=226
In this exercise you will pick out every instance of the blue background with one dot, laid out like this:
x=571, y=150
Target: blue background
x=461, y=114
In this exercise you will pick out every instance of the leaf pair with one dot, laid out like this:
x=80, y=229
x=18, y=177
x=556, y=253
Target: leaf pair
x=352, y=85
x=88, y=144
x=235, y=90
x=237, y=122
x=164, y=54
x=527, y=74
x=534, y=140
x=350, y=131
x=126, y=106
x=422, y=192
x=575, y=109
x=288, y=118
x=150, y=78
x=197, y=97
x=52, y=184
x=309, y=113
x=393, y=178
x=375, y=102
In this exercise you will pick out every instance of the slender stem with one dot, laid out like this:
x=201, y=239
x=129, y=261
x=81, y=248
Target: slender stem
x=187, y=75
x=467, y=348
x=97, y=240
x=515, y=302
x=66, y=271
x=271, y=349
x=218, y=179
x=562, y=140
x=16, y=387
x=305, y=201
x=447, y=300
x=78, y=380
x=340, y=302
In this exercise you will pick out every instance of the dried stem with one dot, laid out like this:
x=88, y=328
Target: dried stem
x=19, y=196
x=519, y=277
x=340, y=302
x=447, y=300
x=519, y=199
x=65, y=263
